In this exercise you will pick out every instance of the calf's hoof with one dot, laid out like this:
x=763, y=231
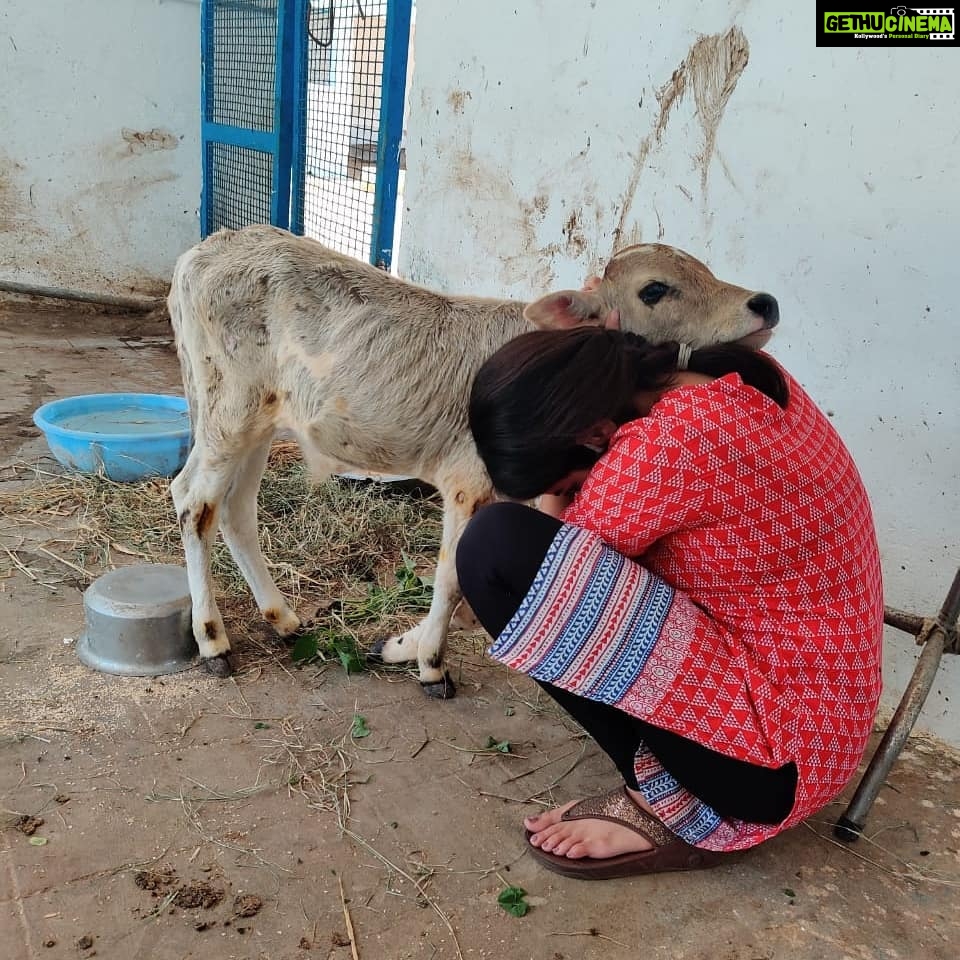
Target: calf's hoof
x=391, y=651
x=284, y=622
x=290, y=639
x=219, y=666
x=444, y=689
x=375, y=652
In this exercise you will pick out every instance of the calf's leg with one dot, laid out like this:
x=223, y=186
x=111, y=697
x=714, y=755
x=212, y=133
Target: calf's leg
x=238, y=524
x=426, y=642
x=198, y=492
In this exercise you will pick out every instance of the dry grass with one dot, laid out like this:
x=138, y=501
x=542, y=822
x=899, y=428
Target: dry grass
x=322, y=542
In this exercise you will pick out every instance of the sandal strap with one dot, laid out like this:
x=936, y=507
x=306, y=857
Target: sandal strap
x=617, y=807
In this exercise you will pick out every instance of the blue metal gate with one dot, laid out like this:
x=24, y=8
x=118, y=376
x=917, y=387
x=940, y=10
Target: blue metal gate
x=249, y=56
x=303, y=105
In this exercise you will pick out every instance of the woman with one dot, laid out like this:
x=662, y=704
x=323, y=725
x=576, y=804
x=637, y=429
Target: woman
x=708, y=603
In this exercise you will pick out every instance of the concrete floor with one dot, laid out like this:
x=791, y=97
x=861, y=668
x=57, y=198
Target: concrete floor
x=214, y=790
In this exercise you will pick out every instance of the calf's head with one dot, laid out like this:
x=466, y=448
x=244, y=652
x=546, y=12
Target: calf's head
x=663, y=294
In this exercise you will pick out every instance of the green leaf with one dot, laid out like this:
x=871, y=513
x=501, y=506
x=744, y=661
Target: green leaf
x=328, y=644
x=306, y=647
x=349, y=655
x=512, y=900
x=502, y=745
x=38, y=841
x=261, y=726
x=359, y=730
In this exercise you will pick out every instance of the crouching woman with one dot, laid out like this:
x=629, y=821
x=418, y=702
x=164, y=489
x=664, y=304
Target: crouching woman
x=701, y=589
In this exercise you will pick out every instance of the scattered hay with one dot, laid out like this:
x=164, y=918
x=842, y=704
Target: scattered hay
x=321, y=541
x=318, y=768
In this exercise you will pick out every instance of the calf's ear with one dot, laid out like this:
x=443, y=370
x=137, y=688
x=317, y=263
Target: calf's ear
x=565, y=309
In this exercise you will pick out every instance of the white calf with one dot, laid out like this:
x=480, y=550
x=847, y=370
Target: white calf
x=373, y=374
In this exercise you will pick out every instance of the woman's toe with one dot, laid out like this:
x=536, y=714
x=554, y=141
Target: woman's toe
x=539, y=838
x=551, y=844
x=577, y=851
x=563, y=845
x=550, y=837
x=547, y=819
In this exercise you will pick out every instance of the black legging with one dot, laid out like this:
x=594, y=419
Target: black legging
x=498, y=556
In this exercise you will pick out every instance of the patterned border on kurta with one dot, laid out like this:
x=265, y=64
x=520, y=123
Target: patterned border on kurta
x=598, y=625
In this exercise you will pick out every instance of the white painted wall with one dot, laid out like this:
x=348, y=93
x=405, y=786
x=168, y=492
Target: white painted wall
x=833, y=185
x=100, y=152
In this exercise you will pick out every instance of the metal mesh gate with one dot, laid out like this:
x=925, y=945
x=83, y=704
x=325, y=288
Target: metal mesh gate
x=355, y=89
x=239, y=181
x=249, y=61
x=303, y=101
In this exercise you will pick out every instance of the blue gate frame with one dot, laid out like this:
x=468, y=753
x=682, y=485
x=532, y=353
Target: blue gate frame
x=249, y=57
x=254, y=116
x=393, y=97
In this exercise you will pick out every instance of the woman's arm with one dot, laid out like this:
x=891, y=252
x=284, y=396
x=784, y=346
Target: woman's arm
x=553, y=504
x=647, y=485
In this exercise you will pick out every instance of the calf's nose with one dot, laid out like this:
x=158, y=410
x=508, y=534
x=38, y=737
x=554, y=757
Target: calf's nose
x=765, y=307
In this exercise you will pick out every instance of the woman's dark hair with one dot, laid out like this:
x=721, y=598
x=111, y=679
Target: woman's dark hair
x=535, y=399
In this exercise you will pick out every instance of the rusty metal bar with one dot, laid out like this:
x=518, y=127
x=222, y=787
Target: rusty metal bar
x=850, y=826
x=901, y=620
x=950, y=615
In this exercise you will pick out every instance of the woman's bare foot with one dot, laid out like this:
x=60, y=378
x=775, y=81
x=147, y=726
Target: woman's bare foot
x=598, y=839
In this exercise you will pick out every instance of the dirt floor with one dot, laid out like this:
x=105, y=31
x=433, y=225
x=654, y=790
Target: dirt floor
x=183, y=816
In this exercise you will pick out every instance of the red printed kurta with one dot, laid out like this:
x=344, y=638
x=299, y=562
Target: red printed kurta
x=767, y=647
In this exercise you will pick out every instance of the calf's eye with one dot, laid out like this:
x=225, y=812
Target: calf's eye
x=653, y=293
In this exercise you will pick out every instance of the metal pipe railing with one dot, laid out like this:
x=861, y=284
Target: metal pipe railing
x=937, y=636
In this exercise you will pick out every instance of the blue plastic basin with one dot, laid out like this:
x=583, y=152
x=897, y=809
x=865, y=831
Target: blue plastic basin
x=125, y=436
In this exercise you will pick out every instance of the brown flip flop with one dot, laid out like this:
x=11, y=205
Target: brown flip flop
x=669, y=851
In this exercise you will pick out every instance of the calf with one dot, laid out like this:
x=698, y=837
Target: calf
x=373, y=374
